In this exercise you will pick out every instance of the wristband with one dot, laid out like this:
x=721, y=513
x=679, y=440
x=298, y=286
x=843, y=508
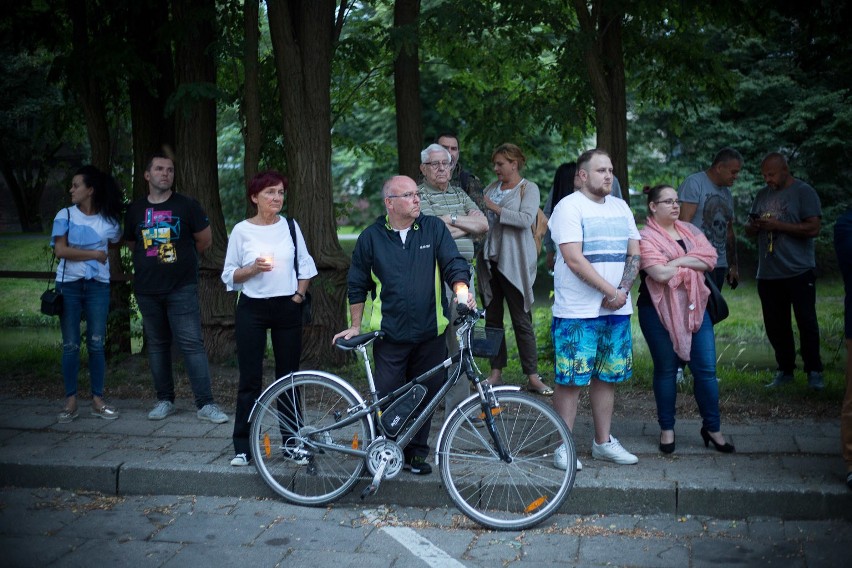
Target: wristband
x=297, y=293
x=453, y=219
x=614, y=298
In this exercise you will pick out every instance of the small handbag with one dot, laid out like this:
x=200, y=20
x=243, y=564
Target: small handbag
x=51, y=298
x=717, y=307
x=307, y=315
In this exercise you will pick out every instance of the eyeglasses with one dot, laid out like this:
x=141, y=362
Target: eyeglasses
x=668, y=201
x=438, y=165
x=407, y=195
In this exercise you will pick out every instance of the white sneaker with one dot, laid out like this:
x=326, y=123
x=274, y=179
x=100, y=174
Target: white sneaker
x=613, y=451
x=161, y=410
x=212, y=413
x=560, y=458
x=240, y=460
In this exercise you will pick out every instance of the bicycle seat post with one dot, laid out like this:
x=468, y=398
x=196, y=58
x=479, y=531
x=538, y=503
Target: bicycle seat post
x=362, y=349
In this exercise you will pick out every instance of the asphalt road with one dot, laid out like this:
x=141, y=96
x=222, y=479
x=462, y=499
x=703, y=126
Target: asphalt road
x=53, y=527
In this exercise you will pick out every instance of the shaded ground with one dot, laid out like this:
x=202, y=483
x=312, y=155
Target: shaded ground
x=131, y=379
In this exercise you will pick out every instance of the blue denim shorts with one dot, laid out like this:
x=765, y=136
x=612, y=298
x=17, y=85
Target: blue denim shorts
x=600, y=348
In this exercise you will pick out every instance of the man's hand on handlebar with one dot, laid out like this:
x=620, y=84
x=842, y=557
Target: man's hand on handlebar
x=347, y=333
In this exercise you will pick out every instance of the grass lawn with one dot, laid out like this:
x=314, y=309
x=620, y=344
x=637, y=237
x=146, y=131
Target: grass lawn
x=30, y=344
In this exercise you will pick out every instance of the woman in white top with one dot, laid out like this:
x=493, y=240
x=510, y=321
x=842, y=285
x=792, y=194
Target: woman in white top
x=260, y=265
x=80, y=238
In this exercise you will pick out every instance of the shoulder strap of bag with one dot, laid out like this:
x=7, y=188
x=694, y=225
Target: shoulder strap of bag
x=292, y=226
x=53, y=253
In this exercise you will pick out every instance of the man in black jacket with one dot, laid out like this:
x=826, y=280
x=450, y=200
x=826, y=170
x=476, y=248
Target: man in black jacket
x=403, y=250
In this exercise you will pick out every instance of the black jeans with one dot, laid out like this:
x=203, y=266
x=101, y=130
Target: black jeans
x=398, y=363
x=254, y=317
x=777, y=297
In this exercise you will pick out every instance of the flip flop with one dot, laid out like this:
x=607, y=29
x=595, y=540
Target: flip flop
x=543, y=391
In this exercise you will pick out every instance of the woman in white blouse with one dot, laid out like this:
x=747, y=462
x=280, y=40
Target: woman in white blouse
x=260, y=265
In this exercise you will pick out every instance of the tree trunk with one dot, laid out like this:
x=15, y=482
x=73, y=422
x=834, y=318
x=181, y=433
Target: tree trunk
x=26, y=196
x=406, y=83
x=303, y=33
x=197, y=166
x=605, y=61
x=251, y=97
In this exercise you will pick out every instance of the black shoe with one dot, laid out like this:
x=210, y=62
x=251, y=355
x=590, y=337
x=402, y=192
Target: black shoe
x=417, y=465
x=667, y=448
x=725, y=448
x=815, y=380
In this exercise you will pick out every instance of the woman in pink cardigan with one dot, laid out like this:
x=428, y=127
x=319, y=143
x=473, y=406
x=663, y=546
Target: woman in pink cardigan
x=672, y=315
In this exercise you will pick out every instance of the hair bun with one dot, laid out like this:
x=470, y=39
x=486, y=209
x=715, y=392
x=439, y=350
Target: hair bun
x=646, y=190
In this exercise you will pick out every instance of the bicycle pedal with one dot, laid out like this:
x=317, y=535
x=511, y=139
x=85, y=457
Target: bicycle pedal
x=369, y=490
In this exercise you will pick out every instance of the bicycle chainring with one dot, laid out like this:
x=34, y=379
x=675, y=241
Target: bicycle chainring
x=383, y=449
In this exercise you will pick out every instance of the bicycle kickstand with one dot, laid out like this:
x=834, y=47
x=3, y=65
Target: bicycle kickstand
x=377, y=479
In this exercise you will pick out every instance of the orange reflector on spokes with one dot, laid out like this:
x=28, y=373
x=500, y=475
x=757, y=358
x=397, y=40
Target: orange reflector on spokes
x=494, y=412
x=355, y=443
x=535, y=504
x=267, y=445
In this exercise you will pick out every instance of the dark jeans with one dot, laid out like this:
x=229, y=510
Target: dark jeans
x=702, y=363
x=283, y=317
x=777, y=297
x=503, y=289
x=175, y=317
x=398, y=363
x=88, y=298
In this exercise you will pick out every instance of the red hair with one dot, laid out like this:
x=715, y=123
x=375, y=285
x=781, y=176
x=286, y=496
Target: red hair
x=261, y=181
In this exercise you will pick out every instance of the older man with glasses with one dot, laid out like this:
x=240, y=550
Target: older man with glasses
x=407, y=252
x=464, y=220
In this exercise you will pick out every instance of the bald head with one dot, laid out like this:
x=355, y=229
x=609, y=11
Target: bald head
x=776, y=172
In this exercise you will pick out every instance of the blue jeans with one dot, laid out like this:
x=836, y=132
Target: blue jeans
x=702, y=364
x=89, y=298
x=175, y=316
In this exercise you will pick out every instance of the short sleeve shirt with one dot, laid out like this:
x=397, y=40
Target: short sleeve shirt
x=164, y=255
x=714, y=210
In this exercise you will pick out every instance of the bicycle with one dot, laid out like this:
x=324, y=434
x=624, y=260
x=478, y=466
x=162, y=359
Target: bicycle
x=312, y=435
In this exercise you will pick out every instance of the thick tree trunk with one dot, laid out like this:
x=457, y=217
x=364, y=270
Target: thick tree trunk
x=251, y=96
x=197, y=165
x=605, y=61
x=406, y=82
x=26, y=197
x=303, y=33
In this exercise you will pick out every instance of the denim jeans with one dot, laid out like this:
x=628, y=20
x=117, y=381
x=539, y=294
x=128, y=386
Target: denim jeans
x=777, y=297
x=175, y=316
x=702, y=364
x=89, y=298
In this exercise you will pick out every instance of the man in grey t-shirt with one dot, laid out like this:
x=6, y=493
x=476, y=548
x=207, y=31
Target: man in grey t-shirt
x=786, y=218
x=706, y=202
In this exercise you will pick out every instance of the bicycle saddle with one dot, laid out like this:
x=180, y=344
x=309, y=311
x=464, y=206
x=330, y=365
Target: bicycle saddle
x=363, y=339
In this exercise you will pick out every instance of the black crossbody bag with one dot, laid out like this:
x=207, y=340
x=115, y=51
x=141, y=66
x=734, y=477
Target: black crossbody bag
x=51, y=298
x=307, y=316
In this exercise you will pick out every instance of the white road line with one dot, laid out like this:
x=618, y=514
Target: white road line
x=422, y=548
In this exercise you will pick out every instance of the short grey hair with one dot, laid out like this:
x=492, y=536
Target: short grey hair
x=424, y=155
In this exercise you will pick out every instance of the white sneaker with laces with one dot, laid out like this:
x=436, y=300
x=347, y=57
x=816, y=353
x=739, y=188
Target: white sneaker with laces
x=211, y=413
x=613, y=451
x=162, y=409
x=240, y=460
x=296, y=455
x=560, y=458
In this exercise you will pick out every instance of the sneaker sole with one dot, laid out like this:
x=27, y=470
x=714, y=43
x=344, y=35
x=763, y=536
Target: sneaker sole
x=214, y=421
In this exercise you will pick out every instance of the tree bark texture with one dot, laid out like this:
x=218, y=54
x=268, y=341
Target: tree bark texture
x=601, y=24
x=197, y=166
x=251, y=96
x=406, y=83
x=303, y=36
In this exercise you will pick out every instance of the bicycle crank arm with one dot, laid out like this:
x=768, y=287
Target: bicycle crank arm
x=373, y=488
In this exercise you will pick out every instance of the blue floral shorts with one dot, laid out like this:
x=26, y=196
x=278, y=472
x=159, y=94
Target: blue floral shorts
x=601, y=347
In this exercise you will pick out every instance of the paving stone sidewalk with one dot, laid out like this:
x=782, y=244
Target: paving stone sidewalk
x=790, y=469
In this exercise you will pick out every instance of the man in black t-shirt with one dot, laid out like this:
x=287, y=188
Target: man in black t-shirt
x=166, y=232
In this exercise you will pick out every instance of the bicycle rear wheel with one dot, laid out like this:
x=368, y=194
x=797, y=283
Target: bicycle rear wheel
x=283, y=427
x=500, y=495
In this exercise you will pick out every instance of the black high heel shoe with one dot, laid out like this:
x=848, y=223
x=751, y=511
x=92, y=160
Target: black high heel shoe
x=725, y=448
x=667, y=448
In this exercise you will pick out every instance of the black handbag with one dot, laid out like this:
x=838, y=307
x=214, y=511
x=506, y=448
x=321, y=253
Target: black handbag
x=717, y=307
x=51, y=298
x=307, y=315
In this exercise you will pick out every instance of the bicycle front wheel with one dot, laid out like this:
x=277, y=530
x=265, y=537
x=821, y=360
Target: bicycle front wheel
x=500, y=495
x=284, y=427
